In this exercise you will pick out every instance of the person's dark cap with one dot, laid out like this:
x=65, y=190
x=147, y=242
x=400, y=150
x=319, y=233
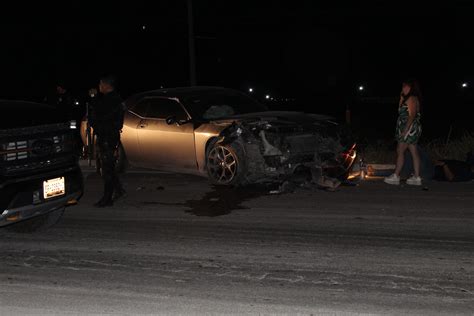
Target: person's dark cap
x=110, y=79
x=61, y=83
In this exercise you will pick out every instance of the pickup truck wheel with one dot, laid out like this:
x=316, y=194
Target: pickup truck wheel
x=38, y=223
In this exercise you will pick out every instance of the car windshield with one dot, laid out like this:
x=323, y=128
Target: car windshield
x=214, y=105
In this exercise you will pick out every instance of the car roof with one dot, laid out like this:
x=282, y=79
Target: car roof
x=180, y=92
x=184, y=91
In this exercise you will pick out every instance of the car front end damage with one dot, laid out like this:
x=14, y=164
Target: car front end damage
x=277, y=150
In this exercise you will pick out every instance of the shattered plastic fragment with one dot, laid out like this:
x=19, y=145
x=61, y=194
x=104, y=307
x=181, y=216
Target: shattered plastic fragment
x=269, y=149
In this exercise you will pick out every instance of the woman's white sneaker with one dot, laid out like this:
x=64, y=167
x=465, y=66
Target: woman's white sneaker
x=393, y=179
x=414, y=180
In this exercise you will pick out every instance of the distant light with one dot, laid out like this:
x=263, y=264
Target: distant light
x=361, y=88
x=464, y=85
x=76, y=103
x=72, y=124
x=143, y=27
x=267, y=96
x=250, y=89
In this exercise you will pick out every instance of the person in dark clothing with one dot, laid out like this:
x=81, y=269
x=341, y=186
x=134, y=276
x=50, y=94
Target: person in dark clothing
x=455, y=170
x=441, y=170
x=107, y=120
x=62, y=100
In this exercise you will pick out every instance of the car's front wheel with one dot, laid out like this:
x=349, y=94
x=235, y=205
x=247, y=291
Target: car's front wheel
x=226, y=164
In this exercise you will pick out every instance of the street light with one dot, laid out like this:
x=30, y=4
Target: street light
x=267, y=96
x=250, y=89
x=464, y=85
x=361, y=88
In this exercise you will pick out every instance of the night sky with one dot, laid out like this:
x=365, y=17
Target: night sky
x=316, y=52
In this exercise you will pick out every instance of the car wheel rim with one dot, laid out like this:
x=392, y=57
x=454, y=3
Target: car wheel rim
x=222, y=164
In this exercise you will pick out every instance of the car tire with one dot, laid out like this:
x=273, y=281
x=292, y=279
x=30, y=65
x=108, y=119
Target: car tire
x=226, y=165
x=38, y=223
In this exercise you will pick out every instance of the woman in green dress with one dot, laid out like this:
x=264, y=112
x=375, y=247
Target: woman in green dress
x=408, y=131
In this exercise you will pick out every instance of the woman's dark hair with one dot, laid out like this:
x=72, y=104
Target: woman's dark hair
x=415, y=90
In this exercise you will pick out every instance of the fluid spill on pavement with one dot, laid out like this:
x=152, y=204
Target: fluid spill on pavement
x=223, y=200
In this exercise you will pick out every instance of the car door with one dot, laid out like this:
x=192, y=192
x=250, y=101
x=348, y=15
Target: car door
x=166, y=146
x=131, y=132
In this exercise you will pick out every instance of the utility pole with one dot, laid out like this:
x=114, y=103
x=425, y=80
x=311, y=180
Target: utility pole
x=192, y=51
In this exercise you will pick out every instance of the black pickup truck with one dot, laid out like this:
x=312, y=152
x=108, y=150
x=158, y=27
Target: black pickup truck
x=39, y=169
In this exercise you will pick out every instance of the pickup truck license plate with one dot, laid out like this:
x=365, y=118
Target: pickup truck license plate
x=53, y=187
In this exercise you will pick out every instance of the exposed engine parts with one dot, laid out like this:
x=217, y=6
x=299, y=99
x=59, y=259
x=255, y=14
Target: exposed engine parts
x=276, y=150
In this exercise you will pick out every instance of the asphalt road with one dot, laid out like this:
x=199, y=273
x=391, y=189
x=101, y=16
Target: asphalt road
x=177, y=245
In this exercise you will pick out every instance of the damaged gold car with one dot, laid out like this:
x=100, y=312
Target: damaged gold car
x=228, y=137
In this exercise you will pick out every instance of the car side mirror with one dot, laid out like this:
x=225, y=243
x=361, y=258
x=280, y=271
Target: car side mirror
x=171, y=120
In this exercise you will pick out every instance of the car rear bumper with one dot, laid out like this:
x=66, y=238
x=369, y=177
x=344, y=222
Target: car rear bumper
x=23, y=198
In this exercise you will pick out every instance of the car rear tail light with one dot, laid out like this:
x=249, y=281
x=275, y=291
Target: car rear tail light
x=349, y=155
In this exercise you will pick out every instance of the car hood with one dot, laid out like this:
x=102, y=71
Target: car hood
x=289, y=117
x=21, y=114
x=288, y=122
